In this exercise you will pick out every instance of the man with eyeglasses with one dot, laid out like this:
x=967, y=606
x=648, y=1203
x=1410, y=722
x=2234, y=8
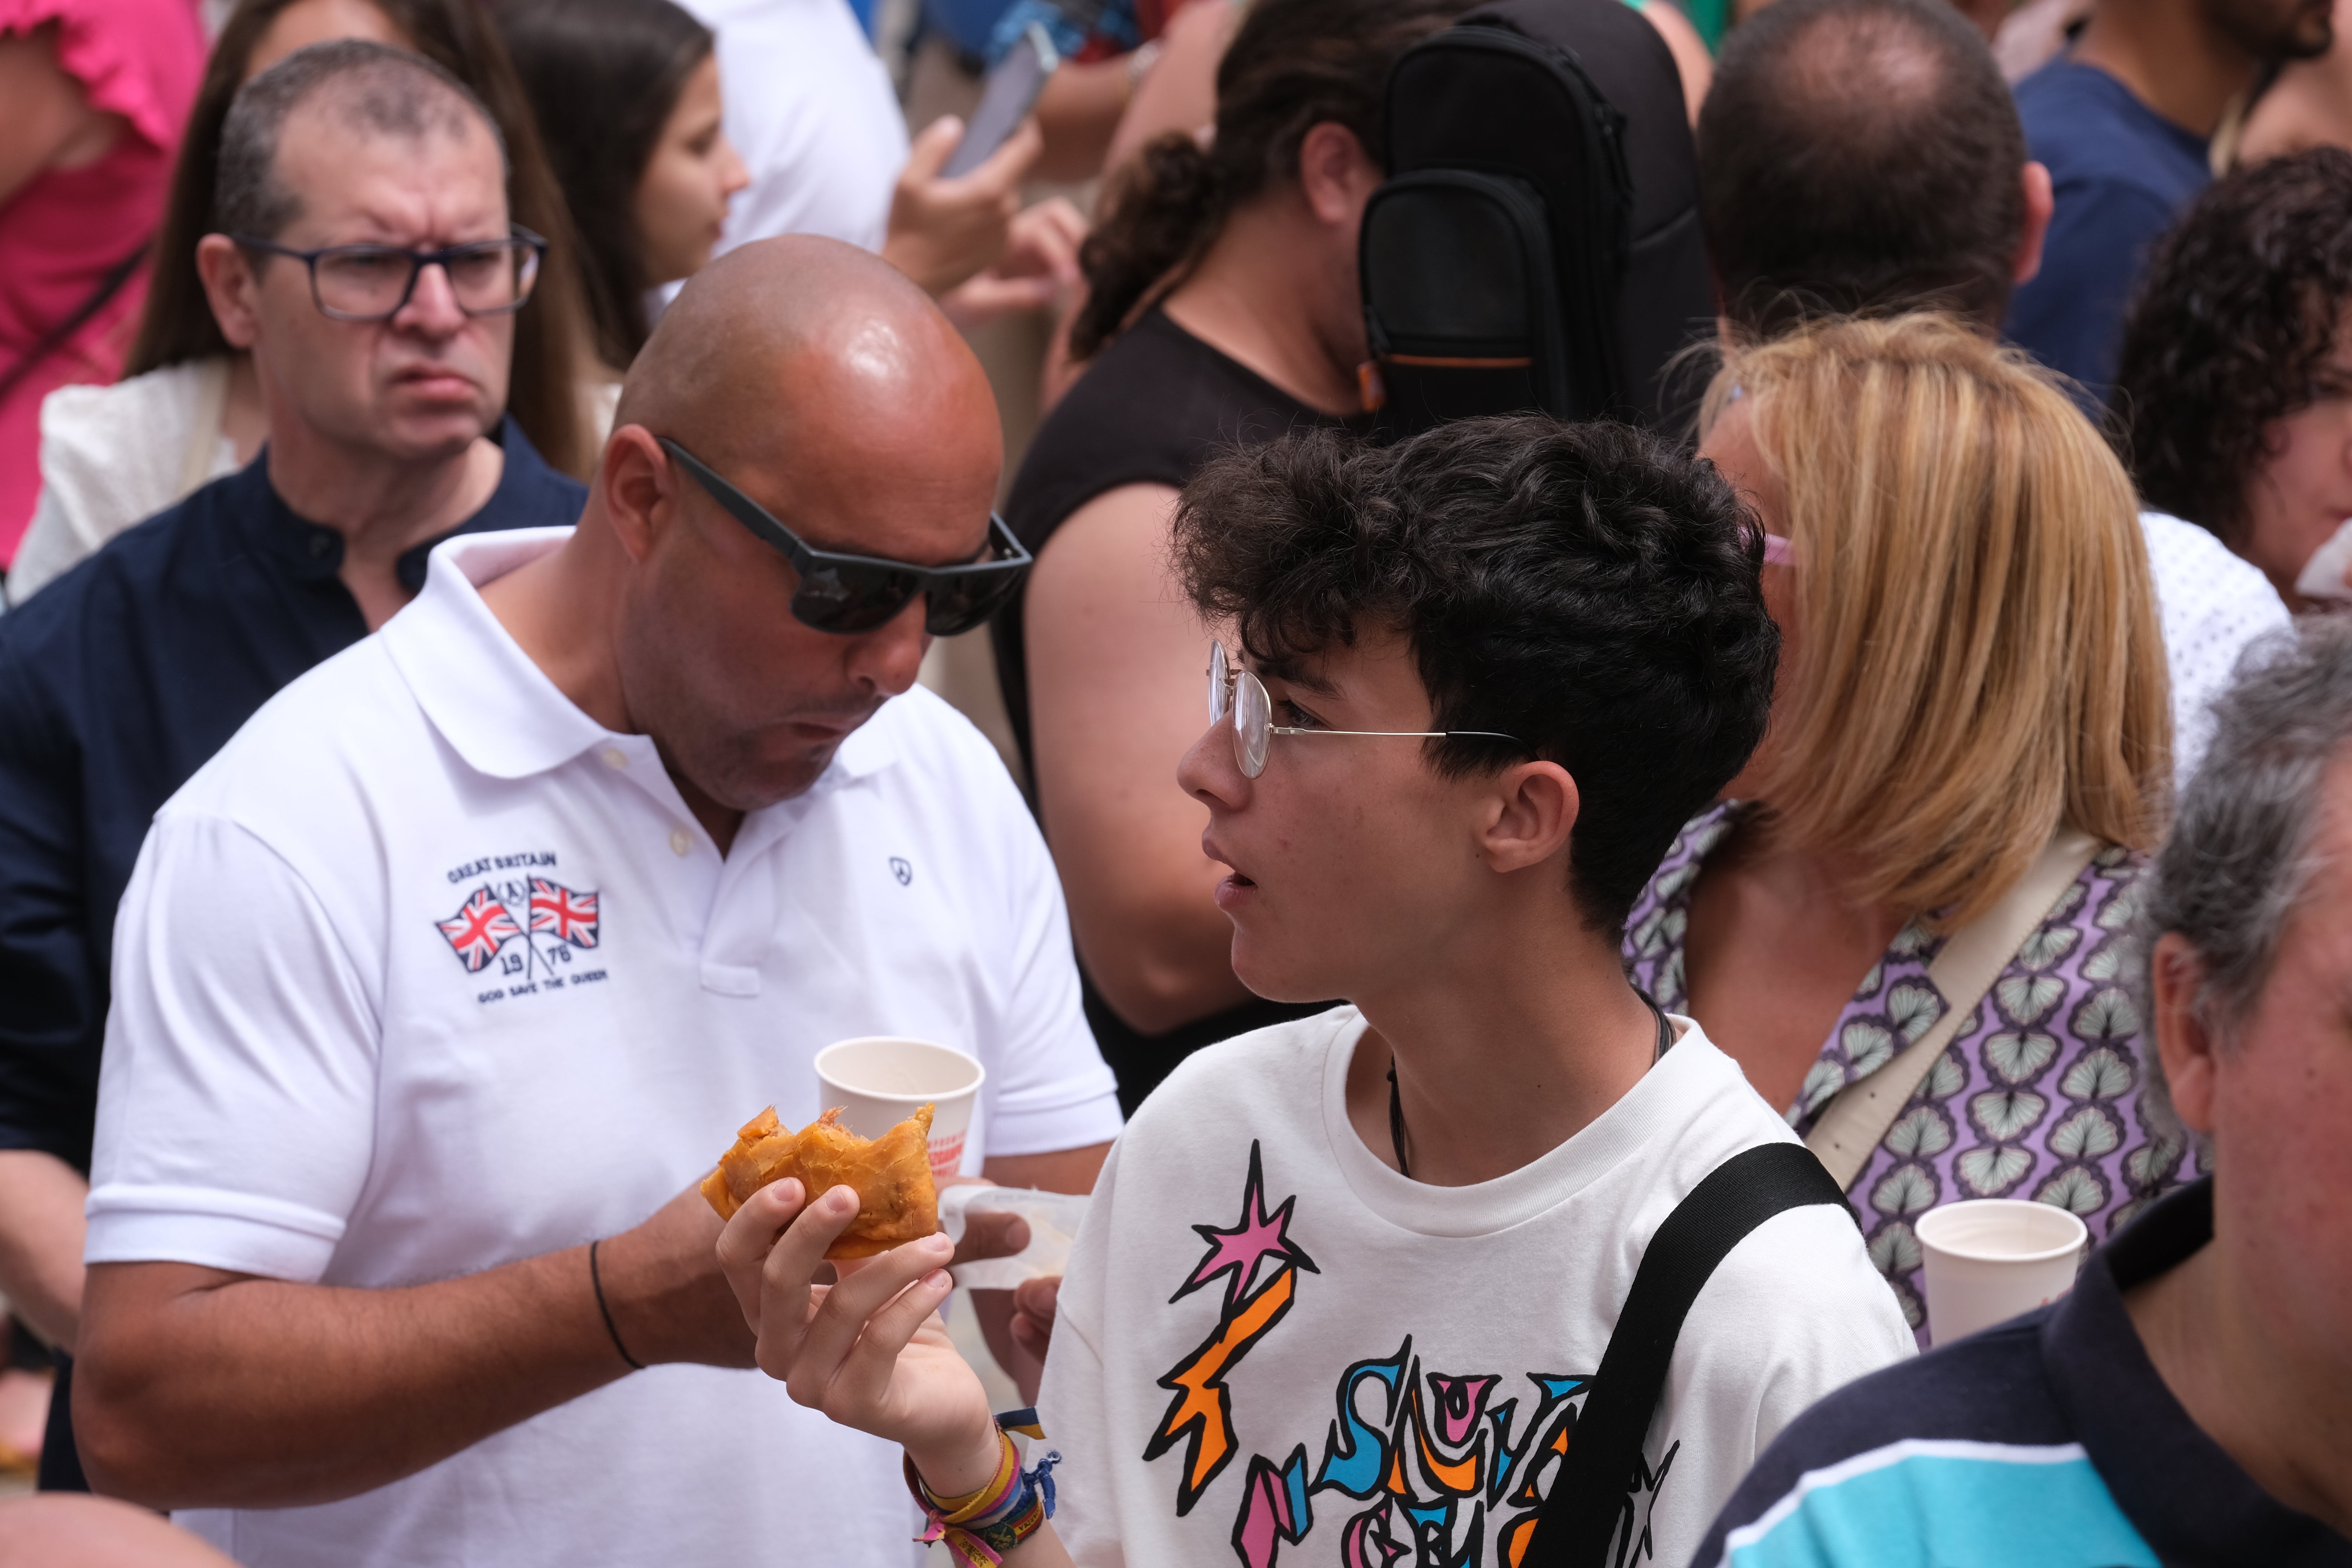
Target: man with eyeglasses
x=473, y=950
x=370, y=267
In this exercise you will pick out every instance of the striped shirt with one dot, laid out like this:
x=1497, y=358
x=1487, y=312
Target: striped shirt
x=2047, y=1442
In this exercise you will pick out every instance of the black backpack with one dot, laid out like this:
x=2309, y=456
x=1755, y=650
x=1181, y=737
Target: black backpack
x=1537, y=242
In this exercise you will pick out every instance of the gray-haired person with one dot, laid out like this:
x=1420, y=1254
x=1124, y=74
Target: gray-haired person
x=2191, y=1400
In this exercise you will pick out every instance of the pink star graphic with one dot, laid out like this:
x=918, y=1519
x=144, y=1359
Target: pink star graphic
x=1256, y=1236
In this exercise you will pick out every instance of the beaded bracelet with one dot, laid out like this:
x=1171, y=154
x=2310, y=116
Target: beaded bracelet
x=981, y=1526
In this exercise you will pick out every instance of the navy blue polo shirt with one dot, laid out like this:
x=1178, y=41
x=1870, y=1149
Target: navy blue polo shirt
x=2047, y=1442
x=2119, y=173
x=117, y=682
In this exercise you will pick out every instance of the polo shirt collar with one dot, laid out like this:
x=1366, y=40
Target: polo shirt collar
x=310, y=551
x=498, y=707
x=2187, y=1497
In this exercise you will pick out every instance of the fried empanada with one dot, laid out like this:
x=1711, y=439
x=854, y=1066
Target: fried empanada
x=892, y=1174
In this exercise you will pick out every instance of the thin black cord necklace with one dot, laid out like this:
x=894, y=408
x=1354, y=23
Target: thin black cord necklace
x=1396, y=1101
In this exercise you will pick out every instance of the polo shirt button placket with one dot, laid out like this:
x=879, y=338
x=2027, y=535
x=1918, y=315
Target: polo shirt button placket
x=680, y=841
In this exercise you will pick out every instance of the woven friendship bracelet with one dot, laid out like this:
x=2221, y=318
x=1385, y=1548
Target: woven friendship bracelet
x=979, y=1527
x=975, y=1504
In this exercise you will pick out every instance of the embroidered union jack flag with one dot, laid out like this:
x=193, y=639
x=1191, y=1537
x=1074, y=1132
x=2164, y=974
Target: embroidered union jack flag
x=561, y=913
x=479, y=930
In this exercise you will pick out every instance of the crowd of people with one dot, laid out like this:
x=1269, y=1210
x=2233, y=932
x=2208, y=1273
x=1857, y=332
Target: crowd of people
x=546, y=457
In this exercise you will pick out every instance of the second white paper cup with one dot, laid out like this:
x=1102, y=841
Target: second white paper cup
x=879, y=1081
x=1988, y=1259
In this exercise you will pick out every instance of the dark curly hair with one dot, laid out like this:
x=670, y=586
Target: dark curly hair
x=2240, y=308
x=1584, y=587
x=1294, y=65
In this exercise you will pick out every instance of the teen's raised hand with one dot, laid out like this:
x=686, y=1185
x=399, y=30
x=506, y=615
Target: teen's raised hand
x=868, y=1350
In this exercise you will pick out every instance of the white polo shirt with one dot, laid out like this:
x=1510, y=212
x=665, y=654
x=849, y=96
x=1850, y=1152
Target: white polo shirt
x=426, y=972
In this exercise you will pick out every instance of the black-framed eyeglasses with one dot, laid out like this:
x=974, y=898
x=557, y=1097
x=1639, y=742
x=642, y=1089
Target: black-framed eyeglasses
x=372, y=282
x=846, y=594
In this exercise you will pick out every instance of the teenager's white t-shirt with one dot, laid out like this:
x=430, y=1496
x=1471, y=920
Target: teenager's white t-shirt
x=1270, y=1343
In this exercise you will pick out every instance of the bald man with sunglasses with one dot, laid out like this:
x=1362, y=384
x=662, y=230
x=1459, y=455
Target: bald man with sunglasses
x=473, y=949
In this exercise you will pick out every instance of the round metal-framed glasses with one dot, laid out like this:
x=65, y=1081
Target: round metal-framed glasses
x=1237, y=693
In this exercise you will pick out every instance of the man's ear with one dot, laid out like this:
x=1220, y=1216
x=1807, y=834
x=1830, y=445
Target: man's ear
x=1529, y=816
x=230, y=289
x=641, y=489
x=2186, y=1046
x=2039, y=204
x=1335, y=174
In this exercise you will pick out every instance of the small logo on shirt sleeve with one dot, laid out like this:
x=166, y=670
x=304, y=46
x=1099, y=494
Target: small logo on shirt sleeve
x=902, y=869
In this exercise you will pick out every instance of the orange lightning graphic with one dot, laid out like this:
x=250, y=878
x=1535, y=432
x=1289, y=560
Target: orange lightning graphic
x=1201, y=1411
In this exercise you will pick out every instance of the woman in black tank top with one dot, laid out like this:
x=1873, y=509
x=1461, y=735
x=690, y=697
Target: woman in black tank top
x=1223, y=283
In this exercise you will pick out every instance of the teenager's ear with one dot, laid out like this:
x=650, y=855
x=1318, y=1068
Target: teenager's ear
x=1530, y=814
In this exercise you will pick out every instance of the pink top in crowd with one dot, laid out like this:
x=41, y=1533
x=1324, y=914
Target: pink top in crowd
x=67, y=228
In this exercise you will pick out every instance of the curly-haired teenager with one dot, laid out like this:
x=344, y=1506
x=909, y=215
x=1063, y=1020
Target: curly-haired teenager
x=1420, y=1211
x=2236, y=381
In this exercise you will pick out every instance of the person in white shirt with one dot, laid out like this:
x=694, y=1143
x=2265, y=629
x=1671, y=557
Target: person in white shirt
x=2213, y=604
x=475, y=946
x=1346, y=1282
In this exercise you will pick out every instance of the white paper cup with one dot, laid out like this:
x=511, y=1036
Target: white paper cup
x=879, y=1081
x=1989, y=1260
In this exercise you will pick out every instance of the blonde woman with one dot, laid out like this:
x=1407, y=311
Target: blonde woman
x=1971, y=662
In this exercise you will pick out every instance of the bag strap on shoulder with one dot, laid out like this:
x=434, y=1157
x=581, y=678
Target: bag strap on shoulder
x=1971, y=961
x=1583, y=1514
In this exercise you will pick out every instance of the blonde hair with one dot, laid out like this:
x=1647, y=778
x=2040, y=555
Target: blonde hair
x=1978, y=655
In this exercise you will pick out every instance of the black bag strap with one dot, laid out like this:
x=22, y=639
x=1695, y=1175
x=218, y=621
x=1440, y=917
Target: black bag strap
x=1582, y=1515
x=58, y=335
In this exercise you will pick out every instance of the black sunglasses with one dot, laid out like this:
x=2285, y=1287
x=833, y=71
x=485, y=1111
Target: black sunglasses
x=851, y=593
